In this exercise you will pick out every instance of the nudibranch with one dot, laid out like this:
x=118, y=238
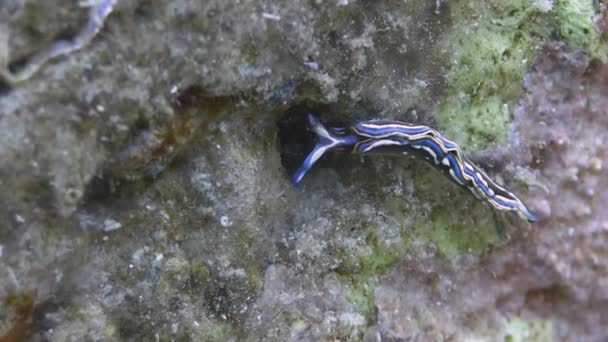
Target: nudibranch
x=394, y=137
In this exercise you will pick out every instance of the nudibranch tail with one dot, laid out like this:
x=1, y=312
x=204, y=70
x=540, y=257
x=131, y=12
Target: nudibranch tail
x=513, y=204
x=499, y=197
x=326, y=141
x=526, y=214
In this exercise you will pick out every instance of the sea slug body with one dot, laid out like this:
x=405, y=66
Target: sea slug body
x=396, y=137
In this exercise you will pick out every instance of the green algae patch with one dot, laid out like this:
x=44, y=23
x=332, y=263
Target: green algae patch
x=520, y=330
x=454, y=235
x=360, y=275
x=490, y=47
x=359, y=272
x=577, y=27
x=487, y=51
x=360, y=291
x=437, y=212
x=215, y=331
x=381, y=257
x=457, y=222
x=254, y=278
x=199, y=273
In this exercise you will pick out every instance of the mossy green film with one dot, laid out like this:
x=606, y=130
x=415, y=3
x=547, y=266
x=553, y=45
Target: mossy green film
x=492, y=44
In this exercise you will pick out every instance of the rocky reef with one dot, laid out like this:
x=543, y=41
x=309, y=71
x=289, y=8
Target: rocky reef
x=146, y=149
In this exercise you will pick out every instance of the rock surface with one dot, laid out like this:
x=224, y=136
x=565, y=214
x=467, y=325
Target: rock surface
x=145, y=173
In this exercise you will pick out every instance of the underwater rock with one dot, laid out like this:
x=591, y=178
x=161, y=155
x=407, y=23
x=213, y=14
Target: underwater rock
x=145, y=186
x=556, y=269
x=561, y=130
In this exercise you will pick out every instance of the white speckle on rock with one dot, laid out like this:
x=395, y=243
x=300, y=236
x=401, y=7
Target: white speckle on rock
x=111, y=224
x=225, y=221
x=159, y=256
x=271, y=16
x=158, y=259
x=137, y=255
x=164, y=215
x=352, y=319
x=596, y=164
x=542, y=5
x=313, y=65
x=421, y=83
x=234, y=273
x=19, y=218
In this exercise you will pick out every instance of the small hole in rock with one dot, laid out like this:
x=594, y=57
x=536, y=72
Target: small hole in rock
x=72, y=195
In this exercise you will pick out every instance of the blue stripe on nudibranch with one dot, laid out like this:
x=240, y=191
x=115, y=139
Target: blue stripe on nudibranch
x=444, y=154
x=377, y=129
x=455, y=167
x=366, y=145
x=438, y=153
x=477, y=180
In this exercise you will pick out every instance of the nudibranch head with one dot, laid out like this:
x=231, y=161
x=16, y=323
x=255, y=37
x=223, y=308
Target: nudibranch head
x=326, y=140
